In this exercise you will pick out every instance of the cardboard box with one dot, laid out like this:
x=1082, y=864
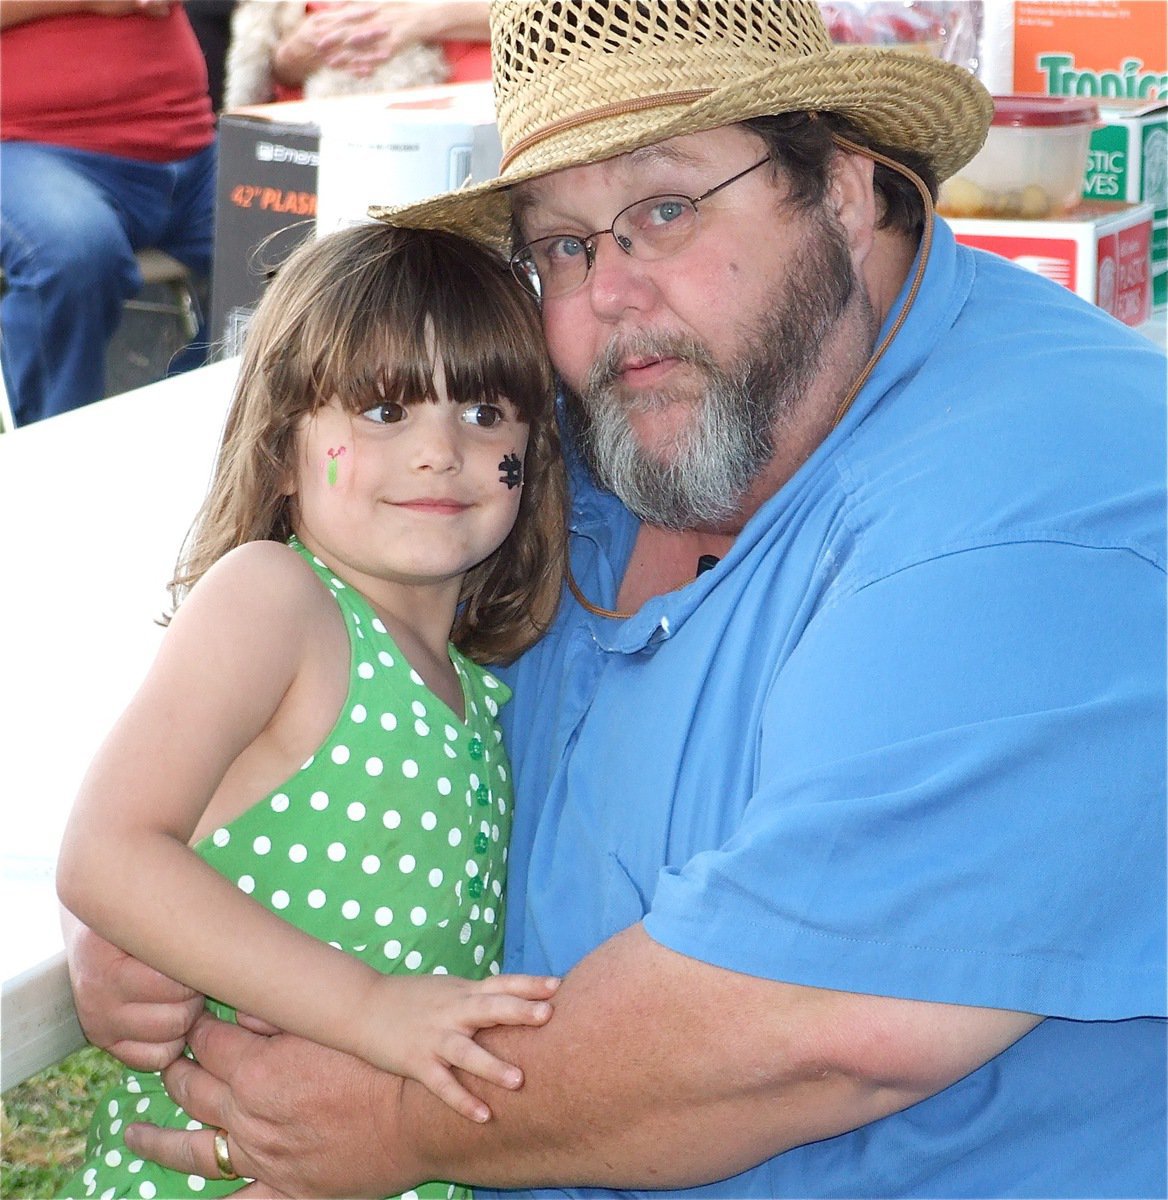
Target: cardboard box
x=265, y=206
x=276, y=172
x=1128, y=160
x=1102, y=252
x=1113, y=49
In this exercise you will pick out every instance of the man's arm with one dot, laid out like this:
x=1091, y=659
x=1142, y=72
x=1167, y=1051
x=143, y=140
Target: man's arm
x=658, y=1071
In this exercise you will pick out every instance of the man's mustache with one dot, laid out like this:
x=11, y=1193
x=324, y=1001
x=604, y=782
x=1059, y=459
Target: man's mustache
x=621, y=348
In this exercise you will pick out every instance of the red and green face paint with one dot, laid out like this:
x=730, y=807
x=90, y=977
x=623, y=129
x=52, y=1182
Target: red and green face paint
x=333, y=466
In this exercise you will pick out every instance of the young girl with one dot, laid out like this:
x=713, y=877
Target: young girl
x=304, y=811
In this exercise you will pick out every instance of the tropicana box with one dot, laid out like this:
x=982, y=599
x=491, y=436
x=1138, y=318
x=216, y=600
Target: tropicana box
x=287, y=170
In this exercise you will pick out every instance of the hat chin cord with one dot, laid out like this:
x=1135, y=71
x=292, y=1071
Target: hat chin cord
x=918, y=275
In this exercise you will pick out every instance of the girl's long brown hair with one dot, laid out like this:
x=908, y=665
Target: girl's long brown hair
x=357, y=315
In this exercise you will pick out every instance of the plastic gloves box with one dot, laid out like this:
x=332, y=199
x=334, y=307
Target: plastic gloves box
x=388, y=148
x=1102, y=252
x=1128, y=161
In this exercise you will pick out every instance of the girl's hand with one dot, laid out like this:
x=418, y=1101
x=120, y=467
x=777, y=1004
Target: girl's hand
x=431, y=1021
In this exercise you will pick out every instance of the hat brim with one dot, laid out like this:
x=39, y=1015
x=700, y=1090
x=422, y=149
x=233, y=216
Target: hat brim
x=902, y=99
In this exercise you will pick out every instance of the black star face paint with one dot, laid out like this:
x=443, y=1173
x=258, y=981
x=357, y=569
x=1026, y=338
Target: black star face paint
x=512, y=468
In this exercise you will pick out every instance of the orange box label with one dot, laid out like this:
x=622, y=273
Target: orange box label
x=1114, y=49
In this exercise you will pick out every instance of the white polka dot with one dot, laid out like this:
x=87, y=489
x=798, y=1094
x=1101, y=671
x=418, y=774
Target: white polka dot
x=90, y=1177
x=451, y=733
x=489, y=915
x=359, y=713
x=449, y=751
x=280, y=802
x=435, y=877
x=410, y=768
x=391, y=818
x=114, y=1126
x=319, y=801
x=472, y=868
x=374, y=766
x=429, y=820
x=147, y=1190
x=413, y=960
x=220, y=837
x=418, y=708
x=464, y=933
x=142, y=1105
x=336, y=851
x=409, y=1196
x=490, y=681
x=496, y=887
x=502, y=771
x=109, y=1194
x=196, y=1183
x=365, y=670
x=388, y=721
x=444, y=786
x=340, y=755
x=262, y=844
x=454, y=837
x=113, y=1158
x=492, y=707
x=246, y=884
x=378, y=624
x=280, y=899
x=112, y=1108
x=479, y=954
x=385, y=658
x=355, y=811
x=383, y=916
x=418, y=915
x=406, y=863
x=297, y=853
x=392, y=948
x=132, y=1085
x=371, y=864
x=316, y=898
x=350, y=910
x=421, y=728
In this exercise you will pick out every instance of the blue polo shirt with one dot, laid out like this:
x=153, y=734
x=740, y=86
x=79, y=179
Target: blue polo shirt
x=906, y=739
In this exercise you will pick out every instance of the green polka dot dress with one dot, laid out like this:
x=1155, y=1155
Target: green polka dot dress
x=389, y=843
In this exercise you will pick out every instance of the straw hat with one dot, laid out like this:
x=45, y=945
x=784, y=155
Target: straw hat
x=579, y=81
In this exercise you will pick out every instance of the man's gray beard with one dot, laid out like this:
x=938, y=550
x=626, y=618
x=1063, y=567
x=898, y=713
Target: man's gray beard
x=701, y=478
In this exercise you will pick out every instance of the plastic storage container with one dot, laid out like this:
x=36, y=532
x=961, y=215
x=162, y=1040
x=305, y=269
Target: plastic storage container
x=1033, y=162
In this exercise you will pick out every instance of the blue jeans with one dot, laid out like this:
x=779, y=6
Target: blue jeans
x=70, y=224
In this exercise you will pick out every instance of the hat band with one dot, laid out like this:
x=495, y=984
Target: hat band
x=660, y=100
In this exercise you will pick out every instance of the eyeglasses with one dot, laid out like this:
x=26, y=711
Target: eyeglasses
x=654, y=228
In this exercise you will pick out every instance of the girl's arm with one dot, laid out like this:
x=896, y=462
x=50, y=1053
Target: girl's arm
x=241, y=669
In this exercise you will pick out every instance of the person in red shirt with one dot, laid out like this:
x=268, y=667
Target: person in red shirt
x=107, y=147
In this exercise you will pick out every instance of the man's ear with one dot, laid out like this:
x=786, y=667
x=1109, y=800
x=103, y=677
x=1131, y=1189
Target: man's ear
x=852, y=196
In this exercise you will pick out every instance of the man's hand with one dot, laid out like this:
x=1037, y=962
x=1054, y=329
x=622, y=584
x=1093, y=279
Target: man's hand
x=137, y=1014
x=301, y=1118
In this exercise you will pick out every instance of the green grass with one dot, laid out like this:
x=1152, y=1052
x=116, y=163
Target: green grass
x=43, y=1123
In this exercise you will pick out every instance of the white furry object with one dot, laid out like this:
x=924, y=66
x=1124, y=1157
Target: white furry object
x=258, y=27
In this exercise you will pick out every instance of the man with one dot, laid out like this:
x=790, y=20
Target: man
x=108, y=148
x=852, y=848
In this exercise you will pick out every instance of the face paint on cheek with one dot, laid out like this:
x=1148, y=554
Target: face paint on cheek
x=512, y=468
x=332, y=468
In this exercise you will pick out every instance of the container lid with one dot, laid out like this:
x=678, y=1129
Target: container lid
x=1027, y=111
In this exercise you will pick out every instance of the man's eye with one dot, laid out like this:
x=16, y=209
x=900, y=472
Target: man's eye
x=386, y=414
x=666, y=211
x=560, y=248
x=485, y=416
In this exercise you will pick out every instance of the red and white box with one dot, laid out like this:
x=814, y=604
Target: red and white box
x=1100, y=251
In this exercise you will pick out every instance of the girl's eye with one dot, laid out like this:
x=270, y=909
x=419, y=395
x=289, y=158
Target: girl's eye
x=386, y=414
x=485, y=416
